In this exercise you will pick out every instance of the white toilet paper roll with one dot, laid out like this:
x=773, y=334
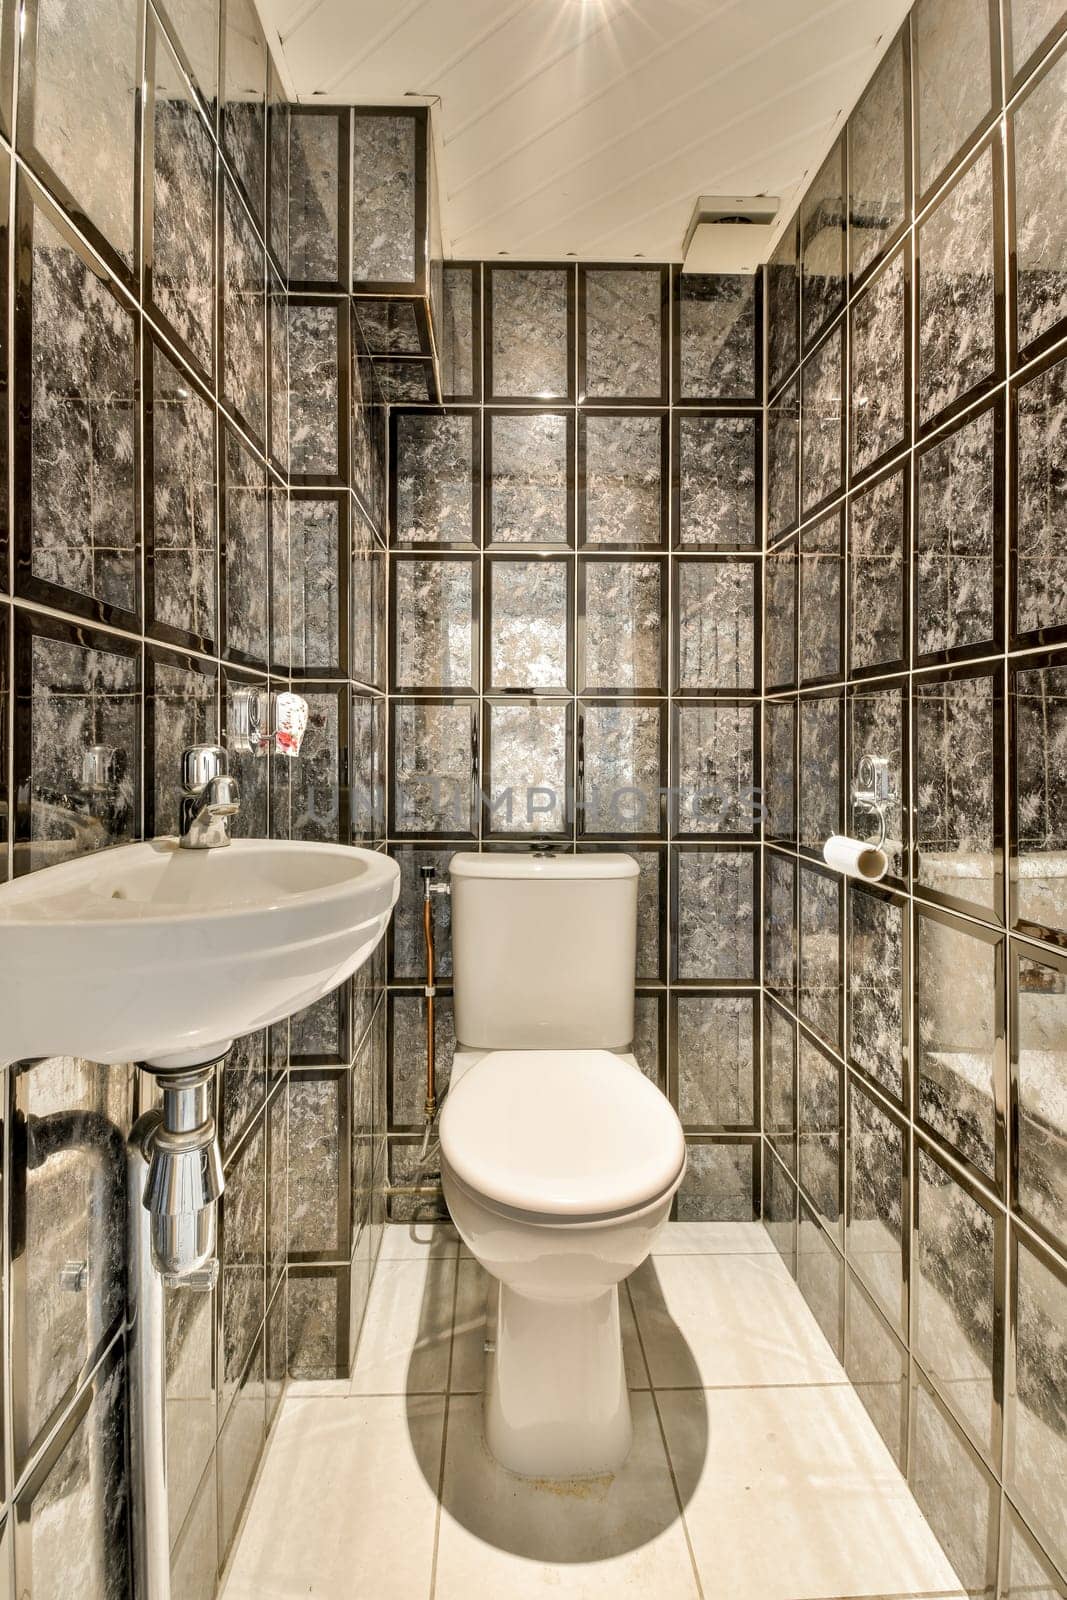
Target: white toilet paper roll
x=856, y=859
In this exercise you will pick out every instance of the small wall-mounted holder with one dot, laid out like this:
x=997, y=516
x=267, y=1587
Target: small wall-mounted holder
x=265, y=721
x=872, y=792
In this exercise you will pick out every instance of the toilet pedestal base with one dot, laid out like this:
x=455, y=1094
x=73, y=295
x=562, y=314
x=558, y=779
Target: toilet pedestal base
x=556, y=1404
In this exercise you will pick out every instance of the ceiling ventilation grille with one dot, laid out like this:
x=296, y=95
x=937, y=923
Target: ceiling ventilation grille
x=729, y=233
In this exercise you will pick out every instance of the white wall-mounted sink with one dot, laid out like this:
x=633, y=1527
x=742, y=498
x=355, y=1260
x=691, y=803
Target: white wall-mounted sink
x=148, y=952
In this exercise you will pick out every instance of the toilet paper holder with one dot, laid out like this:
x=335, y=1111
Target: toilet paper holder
x=872, y=791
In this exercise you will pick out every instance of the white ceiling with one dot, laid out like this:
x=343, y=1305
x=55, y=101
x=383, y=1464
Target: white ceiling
x=589, y=127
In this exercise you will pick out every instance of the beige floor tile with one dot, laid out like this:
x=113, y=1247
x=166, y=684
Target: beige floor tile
x=345, y=1504
x=512, y=1538
x=407, y=1332
x=728, y=1319
x=713, y=1238
x=412, y=1241
x=790, y=1494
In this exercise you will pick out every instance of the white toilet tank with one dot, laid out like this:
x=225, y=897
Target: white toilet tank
x=544, y=950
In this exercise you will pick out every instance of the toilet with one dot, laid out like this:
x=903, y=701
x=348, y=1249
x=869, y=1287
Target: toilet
x=559, y=1158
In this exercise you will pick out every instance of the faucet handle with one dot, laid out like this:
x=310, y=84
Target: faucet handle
x=201, y=763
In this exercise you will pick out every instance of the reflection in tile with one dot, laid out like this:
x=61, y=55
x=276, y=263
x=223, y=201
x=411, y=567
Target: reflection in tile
x=715, y=767
x=879, y=400
x=279, y=116
x=958, y=487
x=621, y=479
x=529, y=624
x=1039, y=1475
x=953, y=79
x=245, y=58
x=957, y=1025
x=719, y=1183
x=820, y=642
x=624, y=750
x=190, y=1397
x=715, y=1043
x=1040, y=137
x=820, y=1123
x=389, y=326
x=529, y=788
x=528, y=335
x=1040, y=1055
x=780, y=927
x=181, y=710
x=957, y=287
x=180, y=506
x=952, y=1285
x=783, y=307
x=432, y=772
x=383, y=198
x=877, y=729
x=239, y=1448
x=716, y=621
x=717, y=337
x=242, y=1088
x=242, y=1239
x=243, y=315
x=821, y=736
x=1026, y=1575
x=878, y=573
x=183, y=196
x=458, y=333
x=196, y=23
x=824, y=429
x=783, y=460
x=780, y=615
x=1040, y=719
x=530, y=489
x=318, y=798
x=194, y=1558
x=245, y=551
x=957, y=762
x=622, y=604
x=1041, y=501
x=317, y=1165
x=823, y=215
x=434, y=624
x=878, y=139
x=821, y=1278
x=779, y=769
x=780, y=1204
x=878, y=1368
x=955, y=1496
x=314, y=174
x=780, y=1084
x=623, y=334
x=434, y=454
x=875, y=990
x=315, y=337
x=717, y=476
x=715, y=915
x=820, y=953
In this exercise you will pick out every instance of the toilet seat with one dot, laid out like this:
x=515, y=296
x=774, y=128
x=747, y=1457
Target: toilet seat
x=566, y=1136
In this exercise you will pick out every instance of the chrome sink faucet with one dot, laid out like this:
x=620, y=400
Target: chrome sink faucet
x=210, y=797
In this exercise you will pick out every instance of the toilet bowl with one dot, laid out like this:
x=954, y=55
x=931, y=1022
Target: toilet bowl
x=559, y=1167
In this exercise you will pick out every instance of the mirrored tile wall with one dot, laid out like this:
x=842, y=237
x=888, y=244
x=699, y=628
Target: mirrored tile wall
x=914, y=1069
x=575, y=581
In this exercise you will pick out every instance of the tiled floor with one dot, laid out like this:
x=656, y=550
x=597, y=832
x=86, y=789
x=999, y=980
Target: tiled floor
x=748, y=1441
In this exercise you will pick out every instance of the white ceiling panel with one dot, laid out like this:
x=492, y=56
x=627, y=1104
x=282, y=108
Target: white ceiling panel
x=589, y=127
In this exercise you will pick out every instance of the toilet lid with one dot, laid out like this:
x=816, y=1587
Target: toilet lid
x=575, y=1133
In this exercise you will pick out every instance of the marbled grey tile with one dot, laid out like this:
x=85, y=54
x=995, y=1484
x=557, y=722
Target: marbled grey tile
x=459, y=336
x=821, y=1278
x=244, y=100
x=432, y=772
x=80, y=394
x=878, y=573
x=959, y=484
x=278, y=369
x=182, y=281
x=823, y=229
x=876, y=1017
x=780, y=617
x=242, y=1088
x=779, y=769
x=820, y=643
x=408, y=1055
x=877, y=727
x=317, y=1165
x=1040, y=552
x=279, y=118
x=1026, y=1575
x=434, y=478
x=716, y=336
x=953, y=1326
x=239, y=1448
x=715, y=915
x=408, y=954
x=624, y=749
x=651, y=914
x=405, y=379
x=252, y=774
x=81, y=696
x=955, y=1495
x=878, y=1369
x=317, y=535
x=820, y=975
x=384, y=177
x=319, y=799
x=1039, y=1008
x=779, y=1066
x=716, y=625
x=318, y=1034
x=957, y=1024
x=821, y=778
x=821, y=1133
x=181, y=710
x=620, y=481
x=190, y=1397
x=783, y=460
x=718, y=459
x=624, y=333
x=315, y=147
x=1040, y=148
x=878, y=144
x=367, y=757
x=368, y=643
x=243, y=315
x=880, y=399
x=714, y=1043
x=181, y=508
x=315, y=342
x=823, y=433
x=877, y=1202
x=780, y=1202
x=85, y=73
x=648, y=1032
x=434, y=624
x=530, y=478
x=245, y=551
x=314, y=1309
x=783, y=307
x=1030, y=22
x=528, y=620
x=1040, y=740
x=529, y=781
x=242, y=1253
x=956, y=850
x=622, y=625
x=528, y=336
x=952, y=53
x=780, y=927
x=957, y=309
x=1039, y=1466
x=390, y=327
x=715, y=768
x=720, y=1183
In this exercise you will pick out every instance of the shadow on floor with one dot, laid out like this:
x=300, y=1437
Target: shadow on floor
x=546, y=1521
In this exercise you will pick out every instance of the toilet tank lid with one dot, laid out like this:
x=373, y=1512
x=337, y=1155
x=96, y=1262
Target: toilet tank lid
x=512, y=864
